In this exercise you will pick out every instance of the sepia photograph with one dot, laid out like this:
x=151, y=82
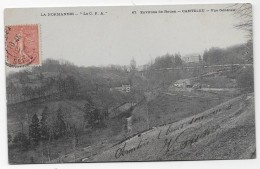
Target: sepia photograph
x=130, y=83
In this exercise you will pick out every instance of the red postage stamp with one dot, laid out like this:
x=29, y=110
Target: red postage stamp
x=22, y=45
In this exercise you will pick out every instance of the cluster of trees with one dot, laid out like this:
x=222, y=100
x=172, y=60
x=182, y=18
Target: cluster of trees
x=245, y=14
x=67, y=85
x=156, y=79
x=240, y=53
x=52, y=65
x=68, y=78
x=41, y=130
x=232, y=55
x=94, y=116
x=167, y=61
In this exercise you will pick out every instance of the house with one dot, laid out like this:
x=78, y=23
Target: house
x=143, y=67
x=197, y=86
x=192, y=58
x=183, y=83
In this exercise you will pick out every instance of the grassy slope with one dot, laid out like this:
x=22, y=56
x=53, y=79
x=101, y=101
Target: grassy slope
x=165, y=108
x=232, y=138
x=236, y=139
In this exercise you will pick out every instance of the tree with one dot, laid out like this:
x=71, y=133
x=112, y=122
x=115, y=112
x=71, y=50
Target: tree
x=133, y=65
x=214, y=56
x=21, y=119
x=60, y=129
x=230, y=55
x=165, y=61
x=43, y=124
x=177, y=60
x=200, y=59
x=34, y=130
x=75, y=140
x=244, y=13
x=92, y=115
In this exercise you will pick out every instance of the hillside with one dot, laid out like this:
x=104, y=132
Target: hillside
x=210, y=136
x=77, y=114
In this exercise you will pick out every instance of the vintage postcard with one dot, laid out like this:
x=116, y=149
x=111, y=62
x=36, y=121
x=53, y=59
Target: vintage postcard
x=130, y=83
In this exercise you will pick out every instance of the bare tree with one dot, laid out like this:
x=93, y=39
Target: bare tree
x=245, y=14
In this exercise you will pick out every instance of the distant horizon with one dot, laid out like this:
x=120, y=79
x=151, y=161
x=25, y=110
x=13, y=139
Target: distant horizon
x=8, y=71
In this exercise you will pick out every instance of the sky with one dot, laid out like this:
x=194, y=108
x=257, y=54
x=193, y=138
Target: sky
x=118, y=36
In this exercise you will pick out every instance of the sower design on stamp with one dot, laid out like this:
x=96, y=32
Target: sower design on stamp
x=22, y=45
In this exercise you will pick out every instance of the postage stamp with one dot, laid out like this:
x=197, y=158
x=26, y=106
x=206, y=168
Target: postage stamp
x=22, y=45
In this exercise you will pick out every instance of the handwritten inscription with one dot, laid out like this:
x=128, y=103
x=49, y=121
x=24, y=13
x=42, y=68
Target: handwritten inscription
x=186, y=138
x=171, y=140
x=123, y=151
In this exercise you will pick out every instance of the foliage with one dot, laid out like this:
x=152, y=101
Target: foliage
x=60, y=125
x=93, y=115
x=34, y=130
x=20, y=140
x=244, y=13
x=231, y=55
x=245, y=79
x=167, y=61
x=43, y=124
x=133, y=65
